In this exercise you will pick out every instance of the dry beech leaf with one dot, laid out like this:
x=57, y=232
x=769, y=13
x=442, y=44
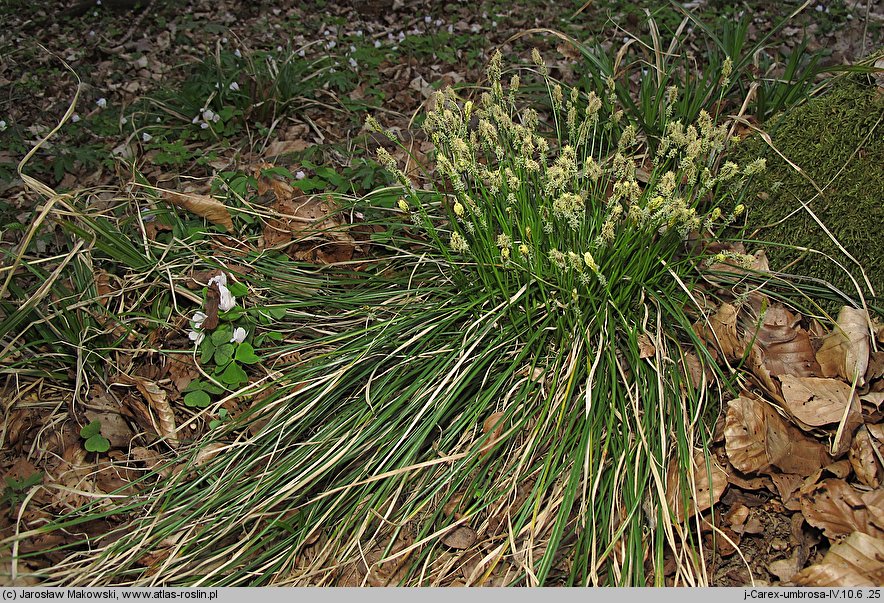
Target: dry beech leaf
x=724, y=332
x=756, y=438
x=300, y=217
x=208, y=452
x=460, y=538
x=204, y=206
x=845, y=351
x=856, y=561
x=864, y=460
x=838, y=508
x=182, y=370
x=816, y=401
x=156, y=399
x=374, y=569
x=492, y=424
x=283, y=147
x=875, y=369
x=113, y=427
x=706, y=496
x=646, y=347
x=785, y=348
x=876, y=399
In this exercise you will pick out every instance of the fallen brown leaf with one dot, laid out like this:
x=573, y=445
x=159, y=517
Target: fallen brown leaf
x=757, y=438
x=864, y=458
x=817, y=401
x=845, y=351
x=460, y=538
x=156, y=398
x=785, y=347
x=646, y=347
x=283, y=147
x=708, y=491
x=204, y=206
x=856, y=561
x=723, y=334
x=113, y=427
x=838, y=509
x=494, y=425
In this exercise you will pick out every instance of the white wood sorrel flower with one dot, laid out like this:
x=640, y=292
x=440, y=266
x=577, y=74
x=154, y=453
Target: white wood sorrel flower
x=196, y=335
x=227, y=300
x=239, y=335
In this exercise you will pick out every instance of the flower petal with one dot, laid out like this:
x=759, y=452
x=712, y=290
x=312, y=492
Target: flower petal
x=227, y=300
x=239, y=335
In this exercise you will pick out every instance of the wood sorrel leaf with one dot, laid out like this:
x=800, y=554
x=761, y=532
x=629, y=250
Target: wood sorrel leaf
x=223, y=354
x=197, y=399
x=90, y=430
x=97, y=443
x=233, y=375
x=245, y=353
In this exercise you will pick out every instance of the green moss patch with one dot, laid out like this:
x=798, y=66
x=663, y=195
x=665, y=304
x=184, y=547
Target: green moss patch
x=836, y=139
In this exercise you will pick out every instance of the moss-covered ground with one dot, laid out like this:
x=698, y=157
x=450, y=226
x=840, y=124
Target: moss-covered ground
x=836, y=141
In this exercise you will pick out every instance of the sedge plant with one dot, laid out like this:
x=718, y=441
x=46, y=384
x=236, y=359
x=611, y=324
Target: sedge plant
x=512, y=360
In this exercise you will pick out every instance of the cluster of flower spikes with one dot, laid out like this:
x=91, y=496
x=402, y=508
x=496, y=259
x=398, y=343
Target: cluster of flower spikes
x=559, y=203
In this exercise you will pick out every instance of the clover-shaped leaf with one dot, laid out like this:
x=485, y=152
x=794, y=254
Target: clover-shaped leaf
x=197, y=399
x=233, y=375
x=245, y=353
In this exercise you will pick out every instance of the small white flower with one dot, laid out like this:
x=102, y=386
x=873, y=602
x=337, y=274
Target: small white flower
x=227, y=301
x=239, y=335
x=198, y=318
x=146, y=137
x=208, y=114
x=234, y=86
x=377, y=43
x=98, y=2
x=331, y=44
x=75, y=118
x=820, y=8
x=215, y=118
x=159, y=120
x=276, y=11
x=91, y=33
x=224, y=40
x=353, y=63
x=279, y=49
x=123, y=121
x=2, y=124
x=196, y=337
x=299, y=175
x=195, y=120
x=302, y=52
x=204, y=125
x=237, y=53
x=102, y=102
x=427, y=19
